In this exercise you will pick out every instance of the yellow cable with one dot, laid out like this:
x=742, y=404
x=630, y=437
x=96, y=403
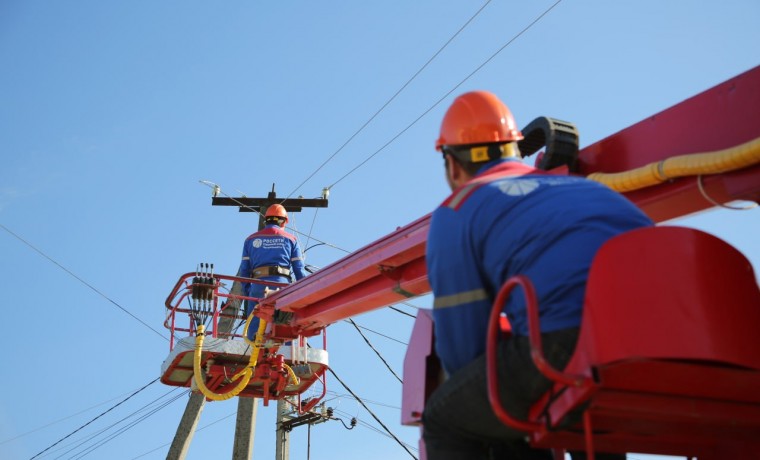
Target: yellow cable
x=738, y=157
x=246, y=373
x=292, y=375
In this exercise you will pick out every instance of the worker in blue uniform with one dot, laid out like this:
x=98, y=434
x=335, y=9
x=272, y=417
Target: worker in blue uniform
x=505, y=218
x=271, y=254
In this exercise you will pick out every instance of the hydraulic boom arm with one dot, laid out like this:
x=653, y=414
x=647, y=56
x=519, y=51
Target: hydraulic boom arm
x=392, y=268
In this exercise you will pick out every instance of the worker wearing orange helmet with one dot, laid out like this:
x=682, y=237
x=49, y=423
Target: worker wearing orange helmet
x=505, y=218
x=270, y=254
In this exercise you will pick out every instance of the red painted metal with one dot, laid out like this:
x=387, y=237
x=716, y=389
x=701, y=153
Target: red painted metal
x=689, y=306
x=183, y=290
x=385, y=272
x=536, y=349
x=676, y=358
x=422, y=370
x=718, y=118
x=492, y=342
x=220, y=363
x=721, y=117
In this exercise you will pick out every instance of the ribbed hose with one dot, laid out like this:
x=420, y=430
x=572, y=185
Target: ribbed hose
x=244, y=375
x=293, y=377
x=292, y=374
x=695, y=164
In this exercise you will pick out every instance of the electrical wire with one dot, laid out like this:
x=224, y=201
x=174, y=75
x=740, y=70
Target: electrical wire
x=402, y=311
x=346, y=143
x=372, y=414
x=335, y=395
x=424, y=66
x=196, y=431
x=54, y=422
x=251, y=208
x=378, y=431
x=477, y=69
x=97, y=417
x=375, y=350
x=386, y=145
x=82, y=281
x=350, y=321
x=126, y=428
x=718, y=204
x=311, y=229
x=92, y=437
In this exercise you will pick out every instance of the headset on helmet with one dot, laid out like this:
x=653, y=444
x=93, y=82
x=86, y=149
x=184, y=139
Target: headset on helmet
x=477, y=118
x=277, y=210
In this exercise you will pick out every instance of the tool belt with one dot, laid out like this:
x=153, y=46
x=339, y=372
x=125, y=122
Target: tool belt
x=269, y=270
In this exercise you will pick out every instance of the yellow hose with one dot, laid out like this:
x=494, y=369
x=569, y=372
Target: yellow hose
x=695, y=164
x=246, y=373
x=292, y=375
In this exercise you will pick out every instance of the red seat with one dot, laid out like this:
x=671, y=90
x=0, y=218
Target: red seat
x=669, y=351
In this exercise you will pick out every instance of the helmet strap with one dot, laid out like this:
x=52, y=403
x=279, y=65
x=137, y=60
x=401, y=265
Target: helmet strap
x=481, y=153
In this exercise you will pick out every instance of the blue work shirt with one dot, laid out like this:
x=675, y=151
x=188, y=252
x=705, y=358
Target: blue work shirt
x=511, y=219
x=272, y=246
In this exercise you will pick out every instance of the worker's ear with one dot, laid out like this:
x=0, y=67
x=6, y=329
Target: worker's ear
x=455, y=173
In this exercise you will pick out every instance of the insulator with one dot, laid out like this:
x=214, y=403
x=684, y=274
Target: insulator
x=195, y=293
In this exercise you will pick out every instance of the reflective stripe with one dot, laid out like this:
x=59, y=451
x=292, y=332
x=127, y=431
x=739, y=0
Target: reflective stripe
x=461, y=194
x=500, y=171
x=246, y=258
x=454, y=300
x=295, y=258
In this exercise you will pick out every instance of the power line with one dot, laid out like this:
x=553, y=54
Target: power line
x=54, y=422
x=253, y=209
x=82, y=281
x=424, y=66
x=372, y=414
x=477, y=69
x=102, y=414
x=403, y=312
x=373, y=428
x=375, y=332
x=131, y=425
x=92, y=437
x=375, y=350
x=196, y=431
x=335, y=395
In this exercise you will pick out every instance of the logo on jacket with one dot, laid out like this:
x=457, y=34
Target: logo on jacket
x=518, y=187
x=257, y=243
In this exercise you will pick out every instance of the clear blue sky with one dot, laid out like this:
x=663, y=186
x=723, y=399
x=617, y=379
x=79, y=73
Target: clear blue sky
x=112, y=112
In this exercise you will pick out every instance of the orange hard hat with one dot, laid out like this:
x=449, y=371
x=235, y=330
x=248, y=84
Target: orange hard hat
x=477, y=117
x=277, y=210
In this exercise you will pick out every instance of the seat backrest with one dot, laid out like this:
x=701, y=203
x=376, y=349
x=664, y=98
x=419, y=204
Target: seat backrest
x=671, y=293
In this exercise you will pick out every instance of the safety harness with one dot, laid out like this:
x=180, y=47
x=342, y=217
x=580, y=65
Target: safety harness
x=269, y=270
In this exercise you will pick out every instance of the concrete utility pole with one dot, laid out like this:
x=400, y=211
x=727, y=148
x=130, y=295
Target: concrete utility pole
x=186, y=428
x=245, y=428
x=245, y=425
x=282, y=450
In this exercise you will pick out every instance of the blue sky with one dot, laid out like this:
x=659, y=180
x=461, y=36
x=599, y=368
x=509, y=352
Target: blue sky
x=111, y=113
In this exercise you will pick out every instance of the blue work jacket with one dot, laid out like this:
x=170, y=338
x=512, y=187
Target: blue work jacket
x=271, y=246
x=512, y=219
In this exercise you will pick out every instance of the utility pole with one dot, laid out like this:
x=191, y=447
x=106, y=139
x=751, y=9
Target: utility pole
x=288, y=419
x=282, y=449
x=245, y=424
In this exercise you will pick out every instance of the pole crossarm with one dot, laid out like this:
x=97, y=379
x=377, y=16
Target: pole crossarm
x=247, y=204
